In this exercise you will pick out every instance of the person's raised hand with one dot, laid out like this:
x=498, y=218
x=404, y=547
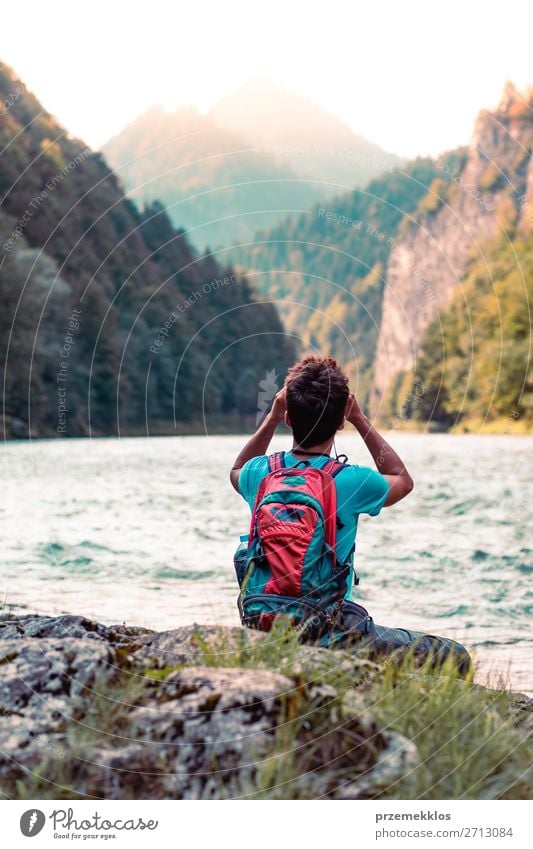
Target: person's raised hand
x=353, y=411
x=279, y=406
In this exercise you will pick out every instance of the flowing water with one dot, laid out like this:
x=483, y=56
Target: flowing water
x=143, y=531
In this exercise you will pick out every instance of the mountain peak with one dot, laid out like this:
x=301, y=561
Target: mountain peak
x=515, y=101
x=316, y=143
x=261, y=84
x=261, y=101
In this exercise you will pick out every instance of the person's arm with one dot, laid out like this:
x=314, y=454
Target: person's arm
x=385, y=457
x=257, y=445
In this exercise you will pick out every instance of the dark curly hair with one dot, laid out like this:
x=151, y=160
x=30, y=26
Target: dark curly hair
x=317, y=392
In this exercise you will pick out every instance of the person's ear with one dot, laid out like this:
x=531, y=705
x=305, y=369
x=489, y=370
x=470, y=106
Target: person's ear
x=287, y=420
x=341, y=426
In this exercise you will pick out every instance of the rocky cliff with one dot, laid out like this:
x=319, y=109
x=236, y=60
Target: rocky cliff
x=488, y=192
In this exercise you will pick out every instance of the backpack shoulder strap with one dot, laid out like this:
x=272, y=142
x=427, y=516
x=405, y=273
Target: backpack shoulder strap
x=334, y=467
x=276, y=461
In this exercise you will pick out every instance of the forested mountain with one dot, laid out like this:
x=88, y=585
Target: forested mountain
x=327, y=266
x=260, y=153
x=110, y=321
x=371, y=274
x=206, y=175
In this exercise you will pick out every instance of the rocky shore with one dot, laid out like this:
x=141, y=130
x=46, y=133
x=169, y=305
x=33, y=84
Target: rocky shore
x=92, y=711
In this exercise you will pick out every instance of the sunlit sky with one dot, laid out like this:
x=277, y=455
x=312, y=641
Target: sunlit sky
x=409, y=75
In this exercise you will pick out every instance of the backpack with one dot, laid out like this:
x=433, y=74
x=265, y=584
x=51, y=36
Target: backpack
x=291, y=564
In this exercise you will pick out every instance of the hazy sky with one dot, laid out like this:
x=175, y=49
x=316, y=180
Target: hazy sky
x=410, y=75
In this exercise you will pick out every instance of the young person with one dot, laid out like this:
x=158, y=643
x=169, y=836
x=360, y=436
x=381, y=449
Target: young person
x=315, y=404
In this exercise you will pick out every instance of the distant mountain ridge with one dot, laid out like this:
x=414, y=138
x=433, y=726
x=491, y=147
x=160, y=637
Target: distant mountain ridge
x=240, y=168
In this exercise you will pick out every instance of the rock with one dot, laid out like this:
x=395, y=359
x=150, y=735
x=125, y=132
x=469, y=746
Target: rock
x=118, y=712
x=188, y=644
x=202, y=728
x=522, y=711
x=34, y=670
x=397, y=758
x=69, y=626
x=43, y=685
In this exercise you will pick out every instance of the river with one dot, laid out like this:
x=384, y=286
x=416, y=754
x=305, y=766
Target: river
x=143, y=531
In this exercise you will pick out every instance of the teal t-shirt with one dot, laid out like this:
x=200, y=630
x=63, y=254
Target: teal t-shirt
x=359, y=490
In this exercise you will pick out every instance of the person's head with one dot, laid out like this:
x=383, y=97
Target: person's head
x=316, y=396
